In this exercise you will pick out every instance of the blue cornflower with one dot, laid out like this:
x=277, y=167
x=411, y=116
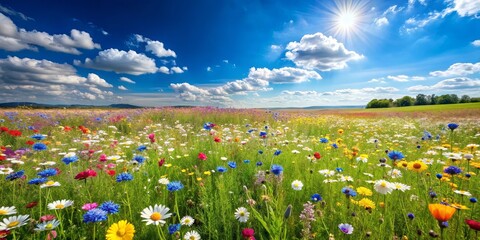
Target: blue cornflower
x=39, y=146
x=395, y=155
x=316, y=197
x=246, y=161
x=38, y=137
x=263, y=134
x=68, y=160
x=473, y=200
x=174, y=186
x=232, y=164
x=173, y=228
x=47, y=172
x=276, y=169
x=259, y=163
x=432, y=194
x=439, y=175
x=98, y=119
x=37, y=181
x=142, y=148
x=221, y=169
x=411, y=216
x=426, y=135
x=452, y=126
x=349, y=192
x=110, y=207
x=208, y=126
x=94, y=215
x=444, y=224
x=334, y=145
x=260, y=152
x=339, y=169
x=123, y=177
x=452, y=170
x=15, y=175
x=468, y=175
x=277, y=152
x=138, y=158
x=323, y=140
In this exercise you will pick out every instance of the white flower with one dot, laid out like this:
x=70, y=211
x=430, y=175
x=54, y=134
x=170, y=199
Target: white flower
x=50, y=184
x=47, y=226
x=395, y=173
x=400, y=186
x=187, y=220
x=297, y=185
x=192, y=235
x=242, y=214
x=383, y=187
x=156, y=214
x=464, y=193
x=6, y=171
x=13, y=222
x=163, y=181
x=345, y=228
x=60, y=204
x=8, y=210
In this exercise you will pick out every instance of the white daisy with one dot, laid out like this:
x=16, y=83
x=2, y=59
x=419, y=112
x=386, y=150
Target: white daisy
x=47, y=226
x=297, y=185
x=242, y=214
x=50, y=184
x=383, y=187
x=395, y=173
x=400, y=186
x=14, y=222
x=464, y=193
x=163, y=181
x=60, y=204
x=192, y=235
x=5, y=171
x=156, y=214
x=187, y=220
x=8, y=210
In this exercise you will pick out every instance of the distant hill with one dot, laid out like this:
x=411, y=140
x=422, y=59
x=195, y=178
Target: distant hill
x=41, y=105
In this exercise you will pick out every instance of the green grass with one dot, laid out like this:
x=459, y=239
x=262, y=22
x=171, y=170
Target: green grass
x=212, y=198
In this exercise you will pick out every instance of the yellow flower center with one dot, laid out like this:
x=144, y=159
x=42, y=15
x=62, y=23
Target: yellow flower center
x=50, y=183
x=13, y=224
x=59, y=206
x=49, y=226
x=417, y=165
x=3, y=212
x=242, y=214
x=383, y=184
x=156, y=216
x=121, y=232
x=192, y=237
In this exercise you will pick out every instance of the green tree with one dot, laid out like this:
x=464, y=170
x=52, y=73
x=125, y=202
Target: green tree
x=405, y=101
x=421, y=99
x=465, y=99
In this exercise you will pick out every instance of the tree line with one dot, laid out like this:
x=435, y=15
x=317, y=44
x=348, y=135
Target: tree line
x=421, y=99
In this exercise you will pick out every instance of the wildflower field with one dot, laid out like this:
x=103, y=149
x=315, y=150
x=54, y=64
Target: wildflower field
x=208, y=173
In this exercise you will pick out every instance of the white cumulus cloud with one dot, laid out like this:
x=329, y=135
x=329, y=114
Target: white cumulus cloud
x=458, y=69
x=128, y=80
x=317, y=51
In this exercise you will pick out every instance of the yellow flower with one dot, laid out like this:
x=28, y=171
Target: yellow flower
x=366, y=203
x=364, y=191
x=120, y=231
x=208, y=173
x=402, y=163
x=340, y=131
x=417, y=166
x=441, y=212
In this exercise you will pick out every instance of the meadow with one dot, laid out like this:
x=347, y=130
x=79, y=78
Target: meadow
x=209, y=173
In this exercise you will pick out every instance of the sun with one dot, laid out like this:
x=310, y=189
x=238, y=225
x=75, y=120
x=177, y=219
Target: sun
x=348, y=18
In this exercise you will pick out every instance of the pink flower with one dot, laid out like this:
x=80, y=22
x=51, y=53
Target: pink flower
x=202, y=156
x=103, y=158
x=51, y=235
x=111, y=165
x=248, y=233
x=89, y=206
x=47, y=218
x=151, y=136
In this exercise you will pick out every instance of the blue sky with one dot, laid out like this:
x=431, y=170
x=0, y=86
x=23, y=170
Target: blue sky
x=265, y=53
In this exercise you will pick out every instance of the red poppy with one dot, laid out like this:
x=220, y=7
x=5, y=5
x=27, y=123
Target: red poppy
x=317, y=155
x=473, y=224
x=30, y=142
x=35, y=130
x=3, y=129
x=31, y=204
x=67, y=129
x=111, y=172
x=15, y=133
x=86, y=174
x=202, y=156
x=217, y=139
x=161, y=162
